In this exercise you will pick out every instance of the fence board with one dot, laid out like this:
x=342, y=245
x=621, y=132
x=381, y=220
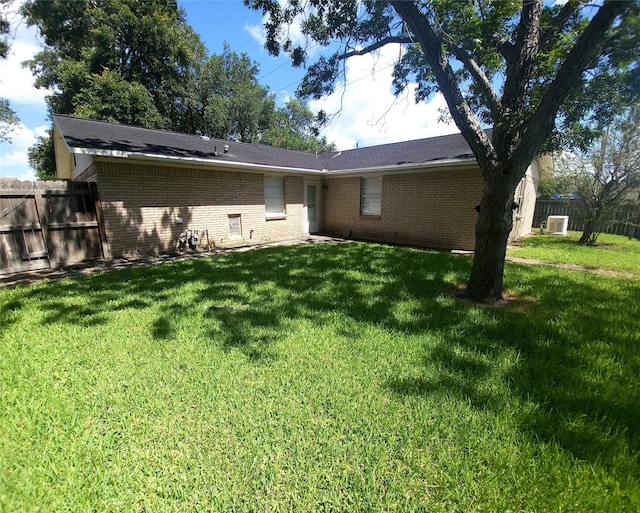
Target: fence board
x=48, y=224
x=627, y=221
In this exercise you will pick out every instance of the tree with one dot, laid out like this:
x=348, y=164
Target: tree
x=237, y=106
x=110, y=97
x=523, y=69
x=603, y=176
x=8, y=117
x=89, y=44
x=296, y=128
x=42, y=157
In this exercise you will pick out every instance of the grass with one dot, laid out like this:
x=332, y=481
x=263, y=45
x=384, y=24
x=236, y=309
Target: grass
x=319, y=378
x=613, y=252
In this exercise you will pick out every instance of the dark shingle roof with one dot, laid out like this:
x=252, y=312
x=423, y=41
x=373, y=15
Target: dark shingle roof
x=102, y=136
x=420, y=151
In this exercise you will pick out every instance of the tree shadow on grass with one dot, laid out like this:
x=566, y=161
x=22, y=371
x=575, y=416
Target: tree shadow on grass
x=577, y=377
x=9, y=313
x=571, y=361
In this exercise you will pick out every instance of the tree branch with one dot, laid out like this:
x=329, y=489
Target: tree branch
x=434, y=52
x=542, y=120
x=520, y=66
x=376, y=45
x=481, y=79
x=558, y=22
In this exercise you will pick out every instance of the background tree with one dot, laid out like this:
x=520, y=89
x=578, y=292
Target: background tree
x=526, y=69
x=147, y=43
x=8, y=117
x=236, y=106
x=42, y=157
x=604, y=176
x=117, y=60
x=295, y=127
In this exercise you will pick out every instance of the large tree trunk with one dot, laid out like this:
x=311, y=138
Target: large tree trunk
x=495, y=221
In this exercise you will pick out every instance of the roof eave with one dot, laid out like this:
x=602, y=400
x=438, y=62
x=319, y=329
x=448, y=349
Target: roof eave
x=200, y=162
x=405, y=168
x=262, y=168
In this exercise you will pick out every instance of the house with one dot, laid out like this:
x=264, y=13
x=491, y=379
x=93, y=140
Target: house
x=154, y=185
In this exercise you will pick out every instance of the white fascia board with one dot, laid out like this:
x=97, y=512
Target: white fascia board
x=100, y=153
x=405, y=168
x=243, y=166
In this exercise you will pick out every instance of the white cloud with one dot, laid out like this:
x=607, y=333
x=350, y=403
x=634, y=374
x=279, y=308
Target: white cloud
x=16, y=81
x=16, y=84
x=13, y=156
x=42, y=130
x=257, y=32
x=368, y=111
x=292, y=31
x=22, y=137
x=283, y=97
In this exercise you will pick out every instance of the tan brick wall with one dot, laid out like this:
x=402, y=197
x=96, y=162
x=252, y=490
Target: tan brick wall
x=431, y=209
x=526, y=193
x=292, y=225
x=140, y=204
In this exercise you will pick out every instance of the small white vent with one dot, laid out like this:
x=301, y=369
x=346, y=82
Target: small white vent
x=235, y=226
x=558, y=225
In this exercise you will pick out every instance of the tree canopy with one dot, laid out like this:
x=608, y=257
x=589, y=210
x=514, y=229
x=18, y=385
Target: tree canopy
x=535, y=72
x=97, y=53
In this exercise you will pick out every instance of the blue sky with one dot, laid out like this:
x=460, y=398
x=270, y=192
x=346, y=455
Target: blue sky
x=367, y=112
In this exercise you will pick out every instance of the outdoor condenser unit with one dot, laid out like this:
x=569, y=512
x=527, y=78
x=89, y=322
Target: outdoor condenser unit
x=558, y=225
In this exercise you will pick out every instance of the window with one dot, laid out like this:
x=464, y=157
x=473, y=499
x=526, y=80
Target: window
x=274, y=196
x=371, y=196
x=235, y=226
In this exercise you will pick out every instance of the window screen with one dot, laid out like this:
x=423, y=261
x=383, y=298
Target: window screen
x=371, y=196
x=274, y=195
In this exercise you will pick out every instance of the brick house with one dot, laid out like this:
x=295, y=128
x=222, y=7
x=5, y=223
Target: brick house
x=155, y=184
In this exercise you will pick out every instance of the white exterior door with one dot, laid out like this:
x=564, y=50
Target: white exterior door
x=311, y=208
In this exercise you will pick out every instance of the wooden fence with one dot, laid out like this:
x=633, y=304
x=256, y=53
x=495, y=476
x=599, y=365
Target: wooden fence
x=627, y=221
x=48, y=225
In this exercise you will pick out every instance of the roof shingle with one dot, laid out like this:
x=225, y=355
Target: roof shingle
x=102, y=136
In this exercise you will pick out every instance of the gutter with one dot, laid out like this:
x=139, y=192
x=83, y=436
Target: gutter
x=405, y=168
x=265, y=168
x=199, y=162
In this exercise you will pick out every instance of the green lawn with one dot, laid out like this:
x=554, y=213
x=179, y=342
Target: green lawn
x=613, y=252
x=333, y=377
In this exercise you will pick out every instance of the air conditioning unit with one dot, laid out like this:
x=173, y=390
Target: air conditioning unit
x=557, y=225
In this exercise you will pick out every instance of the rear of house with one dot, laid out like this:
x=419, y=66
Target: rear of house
x=154, y=185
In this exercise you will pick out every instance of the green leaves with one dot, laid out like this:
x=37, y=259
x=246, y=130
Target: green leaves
x=110, y=97
x=92, y=49
x=8, y=119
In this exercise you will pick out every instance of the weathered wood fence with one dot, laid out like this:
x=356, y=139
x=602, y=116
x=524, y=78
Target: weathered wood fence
x=627, y=220
x=48, y=225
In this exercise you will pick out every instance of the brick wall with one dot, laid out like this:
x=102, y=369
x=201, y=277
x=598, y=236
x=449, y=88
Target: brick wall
x=526, y=193
x=431, y=209
x=291, y=225
x=141, y=204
